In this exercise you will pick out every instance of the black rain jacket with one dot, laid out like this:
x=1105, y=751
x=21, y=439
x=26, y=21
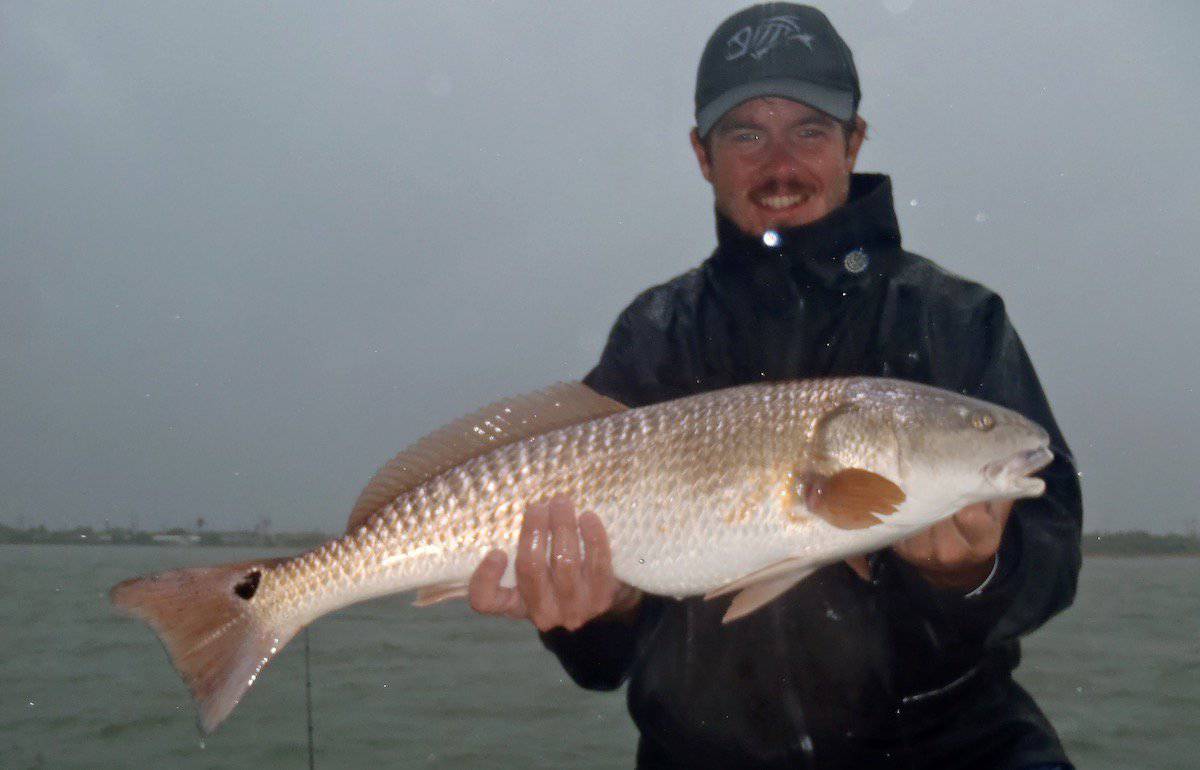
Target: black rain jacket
x=839, y=672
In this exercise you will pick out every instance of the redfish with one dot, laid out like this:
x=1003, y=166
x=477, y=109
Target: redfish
x=742, y=491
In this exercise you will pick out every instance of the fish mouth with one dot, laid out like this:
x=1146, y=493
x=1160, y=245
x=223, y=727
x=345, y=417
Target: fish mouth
x=1014, y=472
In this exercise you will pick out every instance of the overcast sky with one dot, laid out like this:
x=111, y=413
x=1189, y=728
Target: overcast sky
x=248, y=252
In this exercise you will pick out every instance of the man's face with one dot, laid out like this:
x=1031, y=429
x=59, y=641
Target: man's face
x=776, y=163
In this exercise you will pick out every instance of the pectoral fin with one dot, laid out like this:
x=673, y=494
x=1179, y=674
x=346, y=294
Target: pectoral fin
x=852, y=498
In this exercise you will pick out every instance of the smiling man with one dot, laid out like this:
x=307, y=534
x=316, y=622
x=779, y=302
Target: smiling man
x=900, y=660
x=775, y=163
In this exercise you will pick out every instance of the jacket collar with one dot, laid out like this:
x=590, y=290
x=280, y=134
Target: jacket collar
x=822, y=252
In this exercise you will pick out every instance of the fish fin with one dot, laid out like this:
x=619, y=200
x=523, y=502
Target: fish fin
x=206, y=619
x=440, y=592
x=755, y=596
x=784, y=567
x=852, y=498
x=496, y=425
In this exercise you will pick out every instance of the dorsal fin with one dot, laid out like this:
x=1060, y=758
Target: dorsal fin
x=496, y=425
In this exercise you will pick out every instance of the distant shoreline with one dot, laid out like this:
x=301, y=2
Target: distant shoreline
x=170, y=538
x=1138, y=554
x=1133, y=543
x=1138, y=543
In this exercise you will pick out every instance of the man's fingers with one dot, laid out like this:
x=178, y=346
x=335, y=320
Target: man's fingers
x=982, y=525
x=917, y=548
x=484, y=591
x=512, y=605
x=598, y=556
x=597, y=562
x=950, y=548
x=956, y=552
x=565, y=569
x=533, y=579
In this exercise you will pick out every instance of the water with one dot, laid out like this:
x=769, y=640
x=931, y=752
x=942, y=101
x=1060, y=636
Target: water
x=394, y=686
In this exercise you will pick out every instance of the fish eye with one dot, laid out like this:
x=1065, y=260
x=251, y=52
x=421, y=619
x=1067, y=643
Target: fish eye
x=982, y=421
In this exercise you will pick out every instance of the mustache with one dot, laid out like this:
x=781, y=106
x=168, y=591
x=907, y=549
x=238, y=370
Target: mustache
x=784, y=187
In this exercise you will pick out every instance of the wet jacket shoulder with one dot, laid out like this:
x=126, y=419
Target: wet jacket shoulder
x=653, y=345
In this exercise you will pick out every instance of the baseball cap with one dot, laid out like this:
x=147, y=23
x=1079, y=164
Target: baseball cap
x=776, y=49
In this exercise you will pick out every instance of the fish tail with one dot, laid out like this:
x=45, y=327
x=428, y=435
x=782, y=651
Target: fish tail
x=215, y=636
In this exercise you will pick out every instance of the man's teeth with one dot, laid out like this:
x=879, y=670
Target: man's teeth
x=779, y=201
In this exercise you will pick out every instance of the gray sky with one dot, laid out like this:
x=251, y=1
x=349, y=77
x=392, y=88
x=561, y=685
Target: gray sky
x=247, y=253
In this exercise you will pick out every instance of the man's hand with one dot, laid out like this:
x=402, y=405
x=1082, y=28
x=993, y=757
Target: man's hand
x=956, y=553
x=558, y=582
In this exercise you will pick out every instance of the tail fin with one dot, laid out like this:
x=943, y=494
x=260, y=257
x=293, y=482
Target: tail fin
x=206, y=619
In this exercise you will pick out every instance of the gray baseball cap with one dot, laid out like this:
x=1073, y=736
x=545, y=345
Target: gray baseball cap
x=776, y=49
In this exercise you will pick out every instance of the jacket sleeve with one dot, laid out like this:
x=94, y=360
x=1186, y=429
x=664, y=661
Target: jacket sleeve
x=599, y=655
x=1039, y=556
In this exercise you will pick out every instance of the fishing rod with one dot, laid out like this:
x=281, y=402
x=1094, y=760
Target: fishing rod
x=308, y=701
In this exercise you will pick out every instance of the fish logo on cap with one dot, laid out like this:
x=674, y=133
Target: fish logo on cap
x=760, y=40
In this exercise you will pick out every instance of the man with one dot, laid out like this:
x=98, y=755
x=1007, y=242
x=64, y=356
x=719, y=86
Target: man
x=900, y=660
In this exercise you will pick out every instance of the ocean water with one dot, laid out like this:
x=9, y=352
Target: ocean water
x=393, y=686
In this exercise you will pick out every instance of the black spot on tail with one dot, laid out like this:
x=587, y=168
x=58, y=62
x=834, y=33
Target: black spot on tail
x=248, y=584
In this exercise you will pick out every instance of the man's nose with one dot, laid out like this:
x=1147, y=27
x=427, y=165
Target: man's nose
x=780, y=159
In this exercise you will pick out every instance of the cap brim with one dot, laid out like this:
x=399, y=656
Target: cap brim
x=839, y=104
